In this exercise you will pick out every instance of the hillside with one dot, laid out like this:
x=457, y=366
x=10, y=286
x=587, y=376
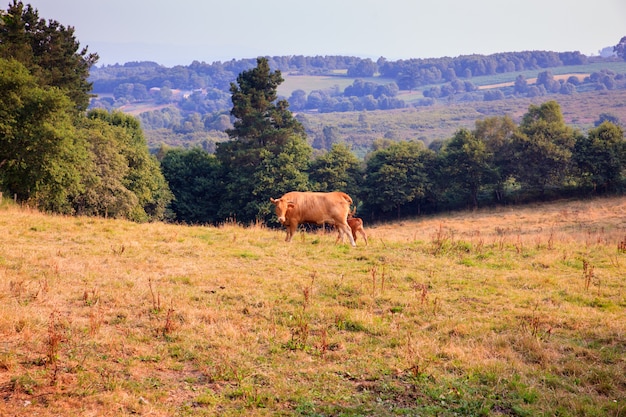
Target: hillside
x=441, y=121
x=432, y=111
x=515, y=311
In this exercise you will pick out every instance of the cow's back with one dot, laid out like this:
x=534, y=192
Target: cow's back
x=318, y=207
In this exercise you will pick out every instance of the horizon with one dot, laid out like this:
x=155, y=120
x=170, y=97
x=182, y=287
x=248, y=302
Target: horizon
x=212, y=31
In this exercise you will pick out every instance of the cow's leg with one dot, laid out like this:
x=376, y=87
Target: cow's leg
x=339, y=235
x=291, y=229
x=363, y=234
x=345, y=229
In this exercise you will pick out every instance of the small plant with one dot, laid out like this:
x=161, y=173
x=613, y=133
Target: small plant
x=169, y=326
x=91, y=298
x=118, y=251
x=156, y=300
x=423, y=292
x=588, y=274
x=55, y=338
x=621, y=246
x=95, y=321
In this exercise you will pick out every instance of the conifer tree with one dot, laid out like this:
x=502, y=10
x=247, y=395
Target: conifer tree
x=267, y=154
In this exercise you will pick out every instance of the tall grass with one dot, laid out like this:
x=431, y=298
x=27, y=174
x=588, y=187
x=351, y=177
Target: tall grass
x=502, y=312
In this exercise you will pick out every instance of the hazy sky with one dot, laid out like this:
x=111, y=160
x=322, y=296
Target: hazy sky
x=181, y=31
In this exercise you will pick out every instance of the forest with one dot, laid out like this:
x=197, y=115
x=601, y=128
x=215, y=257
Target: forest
x=63, y=152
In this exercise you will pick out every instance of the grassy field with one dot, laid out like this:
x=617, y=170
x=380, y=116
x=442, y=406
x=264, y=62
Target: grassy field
x=507, y=312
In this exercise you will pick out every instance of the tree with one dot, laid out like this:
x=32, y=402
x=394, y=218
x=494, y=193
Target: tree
x=48, y=50
x=542, y=147
x=267, y=154
x=521, y=85
x=620, y=48
x=104, y=186
x=195, y=179
x=496, y=133
x=465, y=163
x=396, y=176
x=144, y=177
x=601, y=155
x=363, y=68
x=336, y=170
x=41, y=156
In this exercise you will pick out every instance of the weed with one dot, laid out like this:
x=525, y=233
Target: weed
x=96, y=318
x=118, y=250
x=156, y=300
x=170, y=325
x=55, y=337
x=91, y=298
x=588, y=274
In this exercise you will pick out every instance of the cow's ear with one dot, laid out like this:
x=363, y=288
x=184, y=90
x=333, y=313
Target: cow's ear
x=291, y=205
x=274, y=201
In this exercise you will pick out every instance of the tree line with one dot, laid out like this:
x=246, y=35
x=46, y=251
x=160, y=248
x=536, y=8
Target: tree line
x=498, y=162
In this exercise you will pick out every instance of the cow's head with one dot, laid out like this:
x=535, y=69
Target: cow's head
x=282, y=207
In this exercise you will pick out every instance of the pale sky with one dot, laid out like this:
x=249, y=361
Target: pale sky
x=182, y=31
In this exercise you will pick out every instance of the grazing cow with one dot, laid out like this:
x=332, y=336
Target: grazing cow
x=296, y=207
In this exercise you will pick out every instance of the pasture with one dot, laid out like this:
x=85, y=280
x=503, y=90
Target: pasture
x=516, y=311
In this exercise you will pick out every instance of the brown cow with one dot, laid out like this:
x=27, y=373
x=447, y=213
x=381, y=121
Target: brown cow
x=298, y=207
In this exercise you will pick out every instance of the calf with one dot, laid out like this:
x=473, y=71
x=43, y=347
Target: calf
x=356, y=225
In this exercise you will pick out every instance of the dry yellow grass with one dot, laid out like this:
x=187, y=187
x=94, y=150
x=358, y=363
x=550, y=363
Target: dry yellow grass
x=514, y=311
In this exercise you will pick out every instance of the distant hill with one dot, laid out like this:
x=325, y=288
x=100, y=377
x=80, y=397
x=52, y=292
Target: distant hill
x=189, y=106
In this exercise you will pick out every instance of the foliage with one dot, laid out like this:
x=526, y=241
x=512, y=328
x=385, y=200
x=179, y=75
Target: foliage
x=143, y=178
x=267, y=154
x=542, y=148
x=620, y=48
x=195, y=179
x=336, y=170
x=48, y=50
x=41, y=155
x=465, y=164
x=601, y=156
x=397, y=176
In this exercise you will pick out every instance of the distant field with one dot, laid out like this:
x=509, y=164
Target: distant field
x=310, y=83
x=559, y=77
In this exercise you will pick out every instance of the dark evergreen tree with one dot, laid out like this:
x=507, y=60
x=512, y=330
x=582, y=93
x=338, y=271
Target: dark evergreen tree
x=48, y=50
x=268, y=154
